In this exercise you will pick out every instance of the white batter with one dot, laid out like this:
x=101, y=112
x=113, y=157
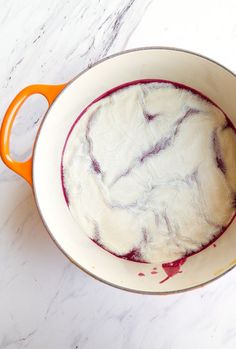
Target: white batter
x=151, y=169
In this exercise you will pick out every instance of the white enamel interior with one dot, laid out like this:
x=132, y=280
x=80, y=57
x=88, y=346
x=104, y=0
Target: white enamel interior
x=197, y=72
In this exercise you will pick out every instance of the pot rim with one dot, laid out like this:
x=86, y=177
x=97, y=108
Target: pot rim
x=36, y=199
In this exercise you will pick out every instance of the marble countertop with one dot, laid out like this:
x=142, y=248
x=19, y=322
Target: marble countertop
x=45, y=301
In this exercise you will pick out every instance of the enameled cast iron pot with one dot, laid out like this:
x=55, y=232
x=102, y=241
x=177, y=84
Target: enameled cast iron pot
x=42, y=170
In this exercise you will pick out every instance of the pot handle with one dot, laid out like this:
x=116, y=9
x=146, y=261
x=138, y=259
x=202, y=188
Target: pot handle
x=24, y=169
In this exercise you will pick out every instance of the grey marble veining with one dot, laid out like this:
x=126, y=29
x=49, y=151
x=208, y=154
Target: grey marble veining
x=45, y=301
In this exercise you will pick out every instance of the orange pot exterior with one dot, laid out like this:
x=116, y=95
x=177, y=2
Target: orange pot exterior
x=24, y=169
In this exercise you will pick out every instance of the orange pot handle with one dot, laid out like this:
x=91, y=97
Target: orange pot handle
x=24, y=169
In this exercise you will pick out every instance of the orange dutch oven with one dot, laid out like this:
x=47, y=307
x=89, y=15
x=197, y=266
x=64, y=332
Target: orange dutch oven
x=43, y=170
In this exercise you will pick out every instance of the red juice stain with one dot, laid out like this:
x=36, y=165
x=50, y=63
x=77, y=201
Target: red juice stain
x=141, y=274
x=172, y=268
x=153, y=272
x=133, y=255
x=155, y=268
x=214, y=245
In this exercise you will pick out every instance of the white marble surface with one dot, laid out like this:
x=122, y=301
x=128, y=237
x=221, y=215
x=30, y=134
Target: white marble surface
x=45, y=301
